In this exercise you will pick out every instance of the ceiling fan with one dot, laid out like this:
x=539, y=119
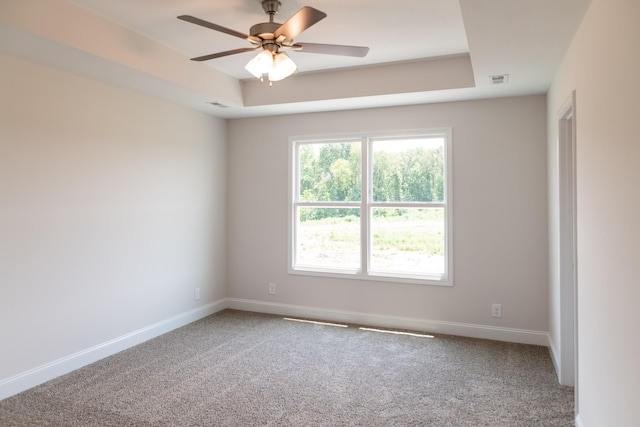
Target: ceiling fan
x=271, y=38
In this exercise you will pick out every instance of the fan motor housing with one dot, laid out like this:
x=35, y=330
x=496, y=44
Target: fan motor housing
x=264, y=30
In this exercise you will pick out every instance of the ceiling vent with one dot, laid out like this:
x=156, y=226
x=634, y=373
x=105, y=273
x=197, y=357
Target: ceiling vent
x=499, y=79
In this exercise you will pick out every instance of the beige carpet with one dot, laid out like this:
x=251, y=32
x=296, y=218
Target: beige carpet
x=246, y=369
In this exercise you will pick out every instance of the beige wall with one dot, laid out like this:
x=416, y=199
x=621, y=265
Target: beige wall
x=603, y=66
x=112, y=210
x=500, y=222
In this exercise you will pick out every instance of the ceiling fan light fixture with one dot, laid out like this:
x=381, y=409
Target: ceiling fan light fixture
x=261, y=64
x=271, y=37
x=282, y=67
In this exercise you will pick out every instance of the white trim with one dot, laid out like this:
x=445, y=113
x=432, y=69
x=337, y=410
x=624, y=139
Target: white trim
x=38, y=375
x=579, y=422
x=555, y=357
x=521, y=336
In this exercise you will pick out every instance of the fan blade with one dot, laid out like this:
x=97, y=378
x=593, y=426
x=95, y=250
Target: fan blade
x=331, y=49
x=303, y=19
x=220, y=28
x=225, y=53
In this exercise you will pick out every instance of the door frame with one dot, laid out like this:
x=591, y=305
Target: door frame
x=568, y=374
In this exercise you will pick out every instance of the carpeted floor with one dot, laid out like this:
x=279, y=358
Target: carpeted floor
x=245, y=369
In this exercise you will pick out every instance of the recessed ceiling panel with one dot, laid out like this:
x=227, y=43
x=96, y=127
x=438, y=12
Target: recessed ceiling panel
x=394, y=31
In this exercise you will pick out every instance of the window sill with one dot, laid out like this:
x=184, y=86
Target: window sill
x=379, y=277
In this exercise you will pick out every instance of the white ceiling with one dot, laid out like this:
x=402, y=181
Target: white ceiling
x=141, y=45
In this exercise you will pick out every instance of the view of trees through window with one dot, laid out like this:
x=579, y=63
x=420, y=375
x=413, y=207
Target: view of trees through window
x=404, y=223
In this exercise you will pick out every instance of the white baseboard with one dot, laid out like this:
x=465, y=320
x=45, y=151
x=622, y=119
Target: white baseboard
x=434, y=326
x=579, y=421
x=33, y=377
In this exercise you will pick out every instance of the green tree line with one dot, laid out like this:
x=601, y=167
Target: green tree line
x=331, y=172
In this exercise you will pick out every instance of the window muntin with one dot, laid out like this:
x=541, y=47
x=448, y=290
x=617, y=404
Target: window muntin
x=399, y=231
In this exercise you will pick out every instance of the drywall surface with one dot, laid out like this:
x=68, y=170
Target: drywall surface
x=602, y=66
x=112, y=210
x=499, y=202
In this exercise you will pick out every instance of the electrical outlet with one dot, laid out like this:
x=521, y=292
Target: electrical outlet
x=272, y=288
x=196, y=294
x=496, y=310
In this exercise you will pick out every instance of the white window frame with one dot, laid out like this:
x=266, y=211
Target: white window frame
x=367, y=203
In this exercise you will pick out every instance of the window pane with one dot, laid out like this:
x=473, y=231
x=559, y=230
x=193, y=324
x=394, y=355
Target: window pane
x=329, y=172
x=328, y=237
x=408, y=240
x=408, y=170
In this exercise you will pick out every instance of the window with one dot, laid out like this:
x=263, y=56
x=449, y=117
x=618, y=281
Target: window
x=372, y=207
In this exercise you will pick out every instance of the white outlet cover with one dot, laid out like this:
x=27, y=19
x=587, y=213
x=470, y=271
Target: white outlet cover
x=496, y=310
